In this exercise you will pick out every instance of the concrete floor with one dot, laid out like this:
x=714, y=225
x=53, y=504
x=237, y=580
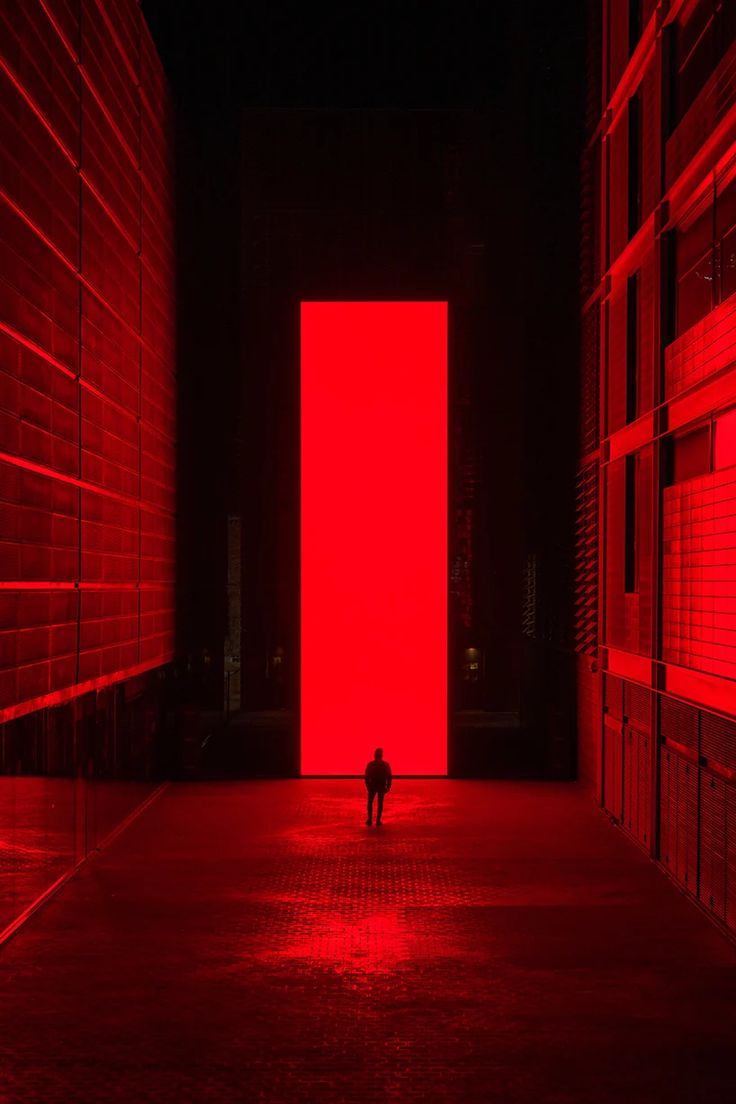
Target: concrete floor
x=255, y=941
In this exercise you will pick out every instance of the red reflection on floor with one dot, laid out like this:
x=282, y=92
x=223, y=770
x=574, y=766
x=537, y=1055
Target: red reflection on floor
x=373, y=536
x=47, y=825
x=256, y=941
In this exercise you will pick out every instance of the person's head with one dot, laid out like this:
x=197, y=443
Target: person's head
x=378, y=753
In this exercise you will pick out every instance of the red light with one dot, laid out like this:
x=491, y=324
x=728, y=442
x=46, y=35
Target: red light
x=374, y=536
x=725, y=450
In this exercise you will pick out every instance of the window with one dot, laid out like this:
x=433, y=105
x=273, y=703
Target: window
x=630, y=580
x=634, y=24
x=727, y=18
x=634, y=180
x=632, y=345
x=725, y=234
x=724, y=452
x=704, y=256
x=708, y=448
x=727, y=259
x=690, y=454
x=694, y=266
x=669, y=79
x=698, y=41
x=696, y=52
x=668, y=283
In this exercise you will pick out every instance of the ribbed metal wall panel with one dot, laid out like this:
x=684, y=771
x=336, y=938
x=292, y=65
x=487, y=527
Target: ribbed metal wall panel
x=678, y=722
x=718, y=741
x=586, y=562
x=644, y=822
x=668, y=809
x=679, y=818
x=687, y=824
x=613, y=771
x=730, y=847
x=631, y=781
x=613, y=696
x=638, y=705
x=712, y=848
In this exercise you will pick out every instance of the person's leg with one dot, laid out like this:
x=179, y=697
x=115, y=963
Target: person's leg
x=379, y=812
x=371, y=795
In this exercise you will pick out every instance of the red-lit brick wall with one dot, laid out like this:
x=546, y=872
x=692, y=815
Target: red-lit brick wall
x=699, y=574
x=705, y=349
x=87, y=350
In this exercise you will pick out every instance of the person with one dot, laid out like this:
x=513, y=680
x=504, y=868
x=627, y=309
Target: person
x=378, y=779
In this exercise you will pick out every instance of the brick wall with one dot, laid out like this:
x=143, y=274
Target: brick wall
x=87, y=350
x=699, y=574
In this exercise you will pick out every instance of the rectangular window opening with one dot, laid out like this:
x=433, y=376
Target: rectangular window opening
x=690, y=454
x=635, y=27
x=724, y=453
x=634, y=165
x=669, y=287
x=630, y=573
x=632, y=346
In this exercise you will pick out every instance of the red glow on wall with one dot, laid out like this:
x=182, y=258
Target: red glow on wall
x=699, y=590
x=87, y=353
x=374, y=536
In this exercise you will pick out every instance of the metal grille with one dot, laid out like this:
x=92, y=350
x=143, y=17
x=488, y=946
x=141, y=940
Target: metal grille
x=679, y=722
x=687, y=824
x=529, y=599
x=586, y=561
x=637, y=705
x=712, y=850
x=730, y=844
x=637, y=785
x=718, y=741
x=589, y=381
x=613, y=772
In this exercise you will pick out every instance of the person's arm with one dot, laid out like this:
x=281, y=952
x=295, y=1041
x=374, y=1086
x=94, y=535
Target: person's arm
x=366, y=779
x=389, y=777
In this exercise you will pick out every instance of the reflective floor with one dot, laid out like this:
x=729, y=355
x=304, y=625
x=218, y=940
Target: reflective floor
x=255, y=941
x=47, y=825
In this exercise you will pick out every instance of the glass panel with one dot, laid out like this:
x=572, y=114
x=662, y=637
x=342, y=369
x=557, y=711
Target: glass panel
x=695, y=294
x=725, y=443
x=38, y=808
x=728, y=264
x=691, y=454
x=696, y=53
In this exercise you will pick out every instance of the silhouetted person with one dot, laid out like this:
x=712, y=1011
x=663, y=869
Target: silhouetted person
x=378, y=779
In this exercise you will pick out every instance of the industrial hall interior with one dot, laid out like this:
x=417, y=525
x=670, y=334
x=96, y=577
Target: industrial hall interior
x=368, y=552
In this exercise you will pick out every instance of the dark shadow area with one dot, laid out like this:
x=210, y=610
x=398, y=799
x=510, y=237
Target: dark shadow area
x=333, y=160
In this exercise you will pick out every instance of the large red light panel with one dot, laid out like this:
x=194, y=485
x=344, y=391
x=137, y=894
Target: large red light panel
x=373, y=536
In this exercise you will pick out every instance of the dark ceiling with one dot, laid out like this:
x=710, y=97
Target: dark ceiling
x=410, y=53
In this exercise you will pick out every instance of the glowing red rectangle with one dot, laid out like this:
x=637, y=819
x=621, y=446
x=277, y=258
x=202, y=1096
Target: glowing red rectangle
x=373, y=536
